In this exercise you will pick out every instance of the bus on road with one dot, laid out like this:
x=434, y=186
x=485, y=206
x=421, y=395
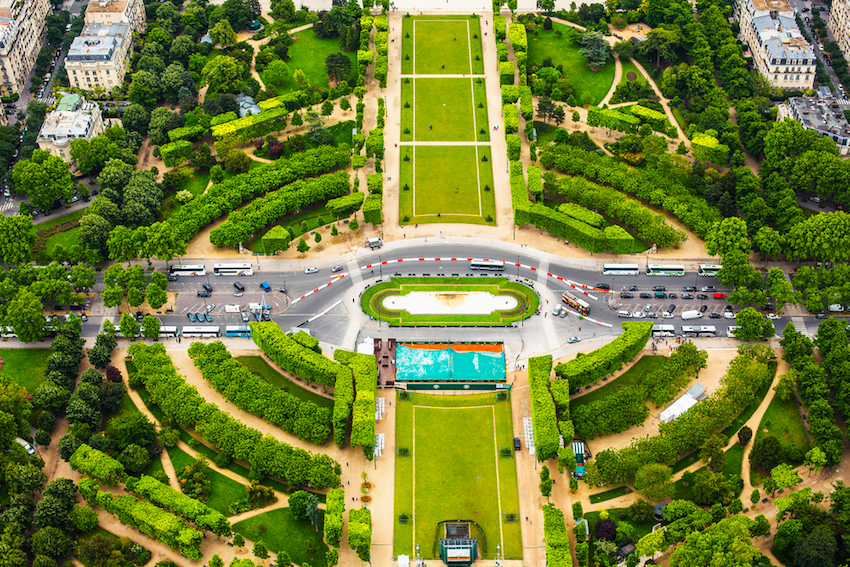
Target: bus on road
x=659, y=270
x=709, y=270
x=699, y=330
x=167, y=332
x=188, y=270
x=620, y=270
x=663, y=331
x=496, y=265
x=202, y=331
x=237, y=331
x=579, y=305
x=233, y=269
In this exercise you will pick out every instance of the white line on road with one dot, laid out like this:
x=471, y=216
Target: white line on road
x=323, y=312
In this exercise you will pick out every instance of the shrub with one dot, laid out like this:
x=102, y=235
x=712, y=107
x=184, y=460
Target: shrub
x=589, y=368
x=556, y=536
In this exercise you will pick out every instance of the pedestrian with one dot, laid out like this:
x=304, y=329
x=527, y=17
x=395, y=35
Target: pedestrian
x=455, y=189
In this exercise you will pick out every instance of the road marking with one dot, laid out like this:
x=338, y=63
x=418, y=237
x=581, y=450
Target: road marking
x=543, y=272
x=354, y=272
x=350, y=338
x=323, y=312
x=551, y=334
x=311, y=292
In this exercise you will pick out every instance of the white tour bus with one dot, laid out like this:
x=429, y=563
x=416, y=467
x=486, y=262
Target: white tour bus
x=188, y=270
x=659, y=270
x=233, y=269
x=699, y=330
x=202, y=331
x=620, y=270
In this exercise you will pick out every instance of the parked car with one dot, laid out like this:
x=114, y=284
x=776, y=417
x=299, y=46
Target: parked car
x=626, y=295
x=573, y=340
x=265, y=287
x=209, y=318
x=210, y=307
x=266, y=316
x=702, y=296
x=311, y=270
x=139, y=316
x=671, y=308
x=672, y=296
x=689, y=288
x=638, y=315
x=604, y=286
x=652, y=315
x=666, y=315
x=633, y=288
x=27, y=447
x=659, y=288
x=237, y=294
x=204, y=293
x=645, y=295
x=648, y=307
x=687, y=296
x=729, y=315
x=714, y=315
x=703, y=309
x=172, y=277
x=207, y=287
x=191, y=317
x=773, y=316
x=238, y=286
x=719, y=296
x=708, y=288
x=200, y=317
x=556, y=311
x=244, y=316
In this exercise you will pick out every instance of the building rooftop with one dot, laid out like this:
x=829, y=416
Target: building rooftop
x=825, y=115
x=70, y=102
x=782, y=38
x=97, y=42
x=778, y=5
x=107, y=6
x=247, y=106
x=67, y=125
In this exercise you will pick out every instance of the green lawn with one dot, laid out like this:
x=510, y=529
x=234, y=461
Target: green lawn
x=223, y=490
x=314, y=217
x=194, y=183
x=66, y=239
x=479, y=99
x=782, y=420
x=281, y=531
x=402, y=286
x=443, y=45
x=308, y=53
x=403, y=533
x=449, y=181
x=610, y=494
x=630, y=377
x=407, y=110
x=258, y=365
x=748, y=412
x=732, y=466
x=595, y=84
x=628, y=66
x=25, y=366
x=443, y=110
x=641, y=528
x=65, y=218
x=455, y=480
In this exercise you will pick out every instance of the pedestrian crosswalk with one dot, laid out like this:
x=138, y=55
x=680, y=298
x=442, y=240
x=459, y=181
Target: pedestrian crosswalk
x=551, y=334
x=350, y=339
x=7, y=204
x=542, y=271
x=799, y=324
x=354, y=271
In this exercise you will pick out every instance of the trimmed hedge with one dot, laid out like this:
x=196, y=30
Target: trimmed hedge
x=517, y=37
x=658, y=120
x=706, y=148
x=613, y=119
x=526, y=103
x=500, y=23
x=580, y=213
x=372, y=208
x=154, y=522
x=183, y=505
x=181, y=403
x=360, y=532
x=307, y=341
x=544, y=417
x=514, y=143
x=334, y=509
x=654, y=186
x=290, y=101
x=614, y=413
x=97, y=465
x=557, y=538
x=510, y=93
x=246, y=221
x=589, y=368
x=365, y=371
x=276, y=239
x=245, y=129
x=253, y=394
x=347, y=204
x=191, y=133
x=535, y=180
x=511, y=116
x=175, y=153
x=506, y=73
x=502, y=51
x=225, y=117
x=375, y=183
x=226, y=196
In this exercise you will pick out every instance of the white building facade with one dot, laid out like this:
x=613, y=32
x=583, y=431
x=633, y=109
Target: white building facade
x=99, y=57
x=73, y=118
x=22, y=33
x=108, y=12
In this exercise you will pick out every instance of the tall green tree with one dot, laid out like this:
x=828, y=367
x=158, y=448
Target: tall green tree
x=25, y=316
x=43, y=178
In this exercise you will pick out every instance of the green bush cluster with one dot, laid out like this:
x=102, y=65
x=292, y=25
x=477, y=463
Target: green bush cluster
x=514, y=143
x=246, y=221
x=663, y=383
x=500, y=24
x=511, y=116
x=648, y=184
x=526, y=103
x=381, y=23
x=175, y=153
x=544, y=417
x=360, y=532
x=153, y=522
x=375, y=143
x=589, y=368
x=248, y=128
x=334, y=509
x=307, y=341
x=517, y=37
x=614, y=413
x=557, y=538
x=381, y=70
x=705, y=147
x=658, y=120
x=182, y=505
x=650, y=226
x=535, y=181
x=191, y=133
x=181, y=403
x=502, y=51
x=365, y=371
x=612, y=119
x=580, y=213
x=226, y=196
x=382, y=39
x=506, y=73
x=98, y=465
x=255, y=395
x=510, y=94
x=372, y=209
x=375, y=183
x=346, y=205
x=277, y=238
x=222, y=118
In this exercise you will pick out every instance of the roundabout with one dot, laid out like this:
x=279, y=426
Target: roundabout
x=442, y=302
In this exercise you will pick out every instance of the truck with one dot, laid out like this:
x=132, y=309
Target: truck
x=692, y=314
x=374, y=243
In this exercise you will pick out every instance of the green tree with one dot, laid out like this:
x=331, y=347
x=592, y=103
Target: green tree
x=786, y=385
x=744, y=435
x=318, y=237
x=727, y=235
x=51, y=542
x=43, y=178
x=215, y=561
x=338, y=67
x=260, y=550
x=654, y=481
x=223, y=74
x=237, y=161
x=276, y=72
x=755, y=496
x=84, y=518
x=327, y=108
x=302, y=247
x=301, y=79
x=25, y=316
x=815, y=459
x=135, y=459
x=282, y=559
x=353, y=225
x=664, y=42
x=238, y=540
x=752, y=326
x=217, y=174
x=713, y=452
x=595, y=49
x=222, y=33
x=150, y=327
x=128, y=325
x=17, y=236
x=785, y=476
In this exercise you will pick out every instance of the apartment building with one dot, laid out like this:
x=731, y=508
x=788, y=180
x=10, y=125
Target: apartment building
x=108, y=12
x=823, y=114
x=73, y=118
x=22, y=33
x=99, y=57
x=839, y=24
x=779, y=50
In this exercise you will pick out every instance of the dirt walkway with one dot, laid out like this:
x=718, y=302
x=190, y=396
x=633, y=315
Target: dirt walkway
x=618, y=76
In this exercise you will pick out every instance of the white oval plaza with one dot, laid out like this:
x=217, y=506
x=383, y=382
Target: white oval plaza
x=449, y=302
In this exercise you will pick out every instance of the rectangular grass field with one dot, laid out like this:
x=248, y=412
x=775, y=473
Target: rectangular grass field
x=451, y=478
x=308, y=53
x=25, y=366
x=443, y=110
x=446, y=45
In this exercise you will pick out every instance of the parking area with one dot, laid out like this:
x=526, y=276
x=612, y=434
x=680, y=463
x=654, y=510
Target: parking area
x=227, y=306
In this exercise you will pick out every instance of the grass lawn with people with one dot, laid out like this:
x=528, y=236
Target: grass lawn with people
x=590, y=86
x=443, y=110
x=449, y=45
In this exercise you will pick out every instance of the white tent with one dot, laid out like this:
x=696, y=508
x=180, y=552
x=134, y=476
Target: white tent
x=403, y=561
x=677, y=408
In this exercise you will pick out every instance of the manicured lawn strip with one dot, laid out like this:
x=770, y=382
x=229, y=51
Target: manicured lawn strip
x=308, y=53
x=628, y=66
x=685, y=462
x=223, y=490
x=442, y=46
x=512, y=547
x=281, y=531
x=446, y=181
x=405, y=181
x=455, y=480
x=477, y=50
x=782, y=420
x=610, y=494
x=403, y=533
x=482, y=125
x=25, y=366
x=443, y=110
x=680, y=118
x=66, y=239
x=485, y=177
x=408, y=285
x=594, y=83
x=315, y=217
x=734, y=460
x=407, y=111
x=630, y=377
x=407, y=46
x=258, y=365
x=64, y=218
x=751, y=409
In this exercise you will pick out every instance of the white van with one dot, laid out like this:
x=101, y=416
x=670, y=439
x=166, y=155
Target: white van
x=624, y=315
x=692, y=314
x=836, y=308
x=730, y=331
x=27, y=447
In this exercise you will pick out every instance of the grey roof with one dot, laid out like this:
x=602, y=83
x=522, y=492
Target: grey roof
x=97, y=42
x=826, y=115
x=782, y=38
x=65, y=125
x=247, y=106
x=697, y=391
x=206, y=38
